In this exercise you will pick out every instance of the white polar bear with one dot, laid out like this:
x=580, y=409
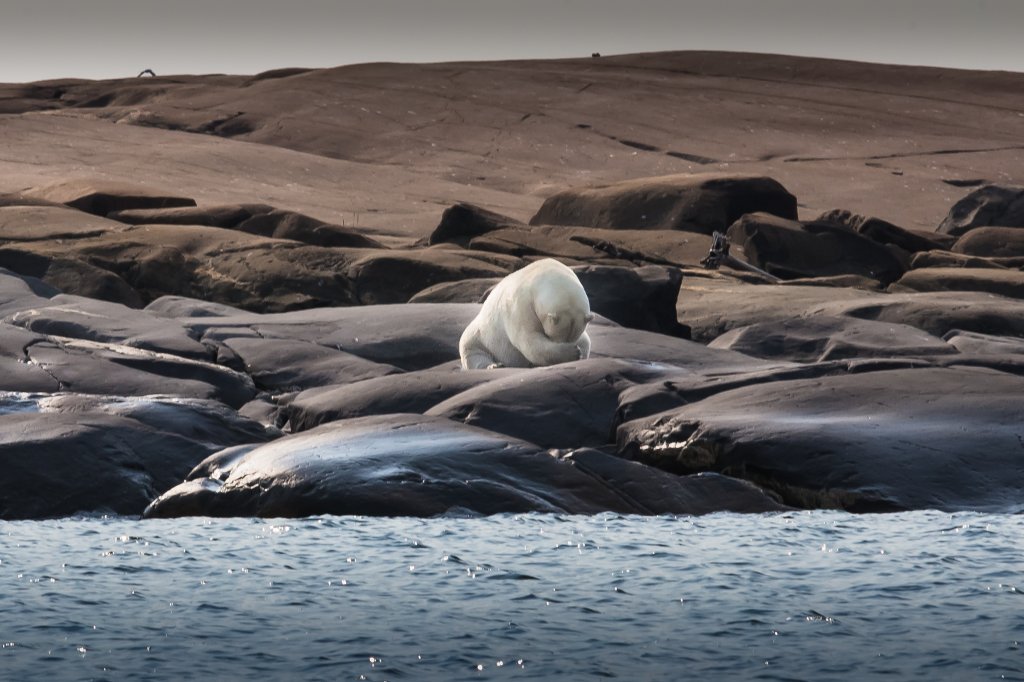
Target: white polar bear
x=535, y=316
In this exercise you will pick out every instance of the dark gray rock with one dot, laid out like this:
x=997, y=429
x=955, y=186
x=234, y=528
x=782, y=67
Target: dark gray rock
x=408, y=465
x=412, y=393
x=884, y=232
x=826, y=337
x=789, y=249
x=640, y=298
x=560, y=406
x=77, y=317
x=988, y=205
x=71, y=454
x=291, y=365
x=696, y=203
x=923, y=438
x=462, y=221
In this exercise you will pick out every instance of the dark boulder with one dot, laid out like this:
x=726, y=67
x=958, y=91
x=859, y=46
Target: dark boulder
x=989, y=242
x=68, y=455
x=72, y=275
x=789, y=249
x=409, y=465
x=702, y=203
x=640, y=298
x=885, y=232
x=923, y=438
x=461, y=222
x=395, y=276
x=989, y=205
x=101, y=197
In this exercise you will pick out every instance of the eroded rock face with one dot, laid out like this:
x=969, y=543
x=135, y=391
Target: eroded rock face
x=988, y=205
x=926, y=438
x=696, y=203
x=1004, y=282
x=420, y=466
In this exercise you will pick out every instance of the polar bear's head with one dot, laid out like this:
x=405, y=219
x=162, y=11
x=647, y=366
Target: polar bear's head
x=565, y=326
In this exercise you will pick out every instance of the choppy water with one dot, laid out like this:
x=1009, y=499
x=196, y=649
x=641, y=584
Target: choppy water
x=822, y=596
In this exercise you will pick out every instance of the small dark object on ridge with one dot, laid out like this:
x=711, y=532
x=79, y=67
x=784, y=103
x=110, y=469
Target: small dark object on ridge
x=595, y=54
x=145, y=71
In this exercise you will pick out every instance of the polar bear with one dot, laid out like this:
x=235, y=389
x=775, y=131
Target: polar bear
x=535, y=316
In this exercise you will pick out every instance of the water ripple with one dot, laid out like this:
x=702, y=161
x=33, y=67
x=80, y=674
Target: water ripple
x=798, y=595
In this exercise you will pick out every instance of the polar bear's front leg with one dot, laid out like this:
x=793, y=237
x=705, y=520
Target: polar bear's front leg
x=583, y=345
x=540, y=351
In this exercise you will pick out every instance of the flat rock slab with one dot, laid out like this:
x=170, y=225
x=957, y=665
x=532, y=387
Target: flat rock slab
x=697, y=203
x=69, y=455
x=825, y=337
x=713, y=307
x=38, y=362
x=926, y=438
x=420, y=466
x=34, y=223
x=283, y=365
x=992, y=242
x=411, y=393
x=1008, y=283
x=77, y=317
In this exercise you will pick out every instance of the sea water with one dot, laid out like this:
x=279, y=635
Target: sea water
x=790, y=596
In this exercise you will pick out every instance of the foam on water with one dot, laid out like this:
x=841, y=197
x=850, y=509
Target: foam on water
x=823, y=596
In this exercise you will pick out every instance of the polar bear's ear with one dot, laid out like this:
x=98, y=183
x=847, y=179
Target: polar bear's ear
x=588, y=318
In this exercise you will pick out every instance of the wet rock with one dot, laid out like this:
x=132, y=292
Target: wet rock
x=988, y=205
x=994, y=281
x=924, y=438
x=412, y=393
x=182, y=306
x=789, y=249
x=407, y=465
x=695, y=203
x=291, y=365
x=77, y=317
x=101, y=197
x=560, y=406
x=67, y=455
x=408, y=336
x=462, y=221
x=825, y=337
x=1006, y=242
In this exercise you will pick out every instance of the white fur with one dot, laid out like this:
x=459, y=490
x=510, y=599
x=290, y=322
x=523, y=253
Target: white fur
x=535, y=316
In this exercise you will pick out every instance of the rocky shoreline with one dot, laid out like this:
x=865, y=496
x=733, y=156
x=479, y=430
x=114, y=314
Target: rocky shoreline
x=164, y=355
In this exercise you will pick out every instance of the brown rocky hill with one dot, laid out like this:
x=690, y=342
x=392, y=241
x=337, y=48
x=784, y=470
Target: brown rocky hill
x=388, y=146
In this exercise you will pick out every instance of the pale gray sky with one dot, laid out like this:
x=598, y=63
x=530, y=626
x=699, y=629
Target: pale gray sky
x=42, y=39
